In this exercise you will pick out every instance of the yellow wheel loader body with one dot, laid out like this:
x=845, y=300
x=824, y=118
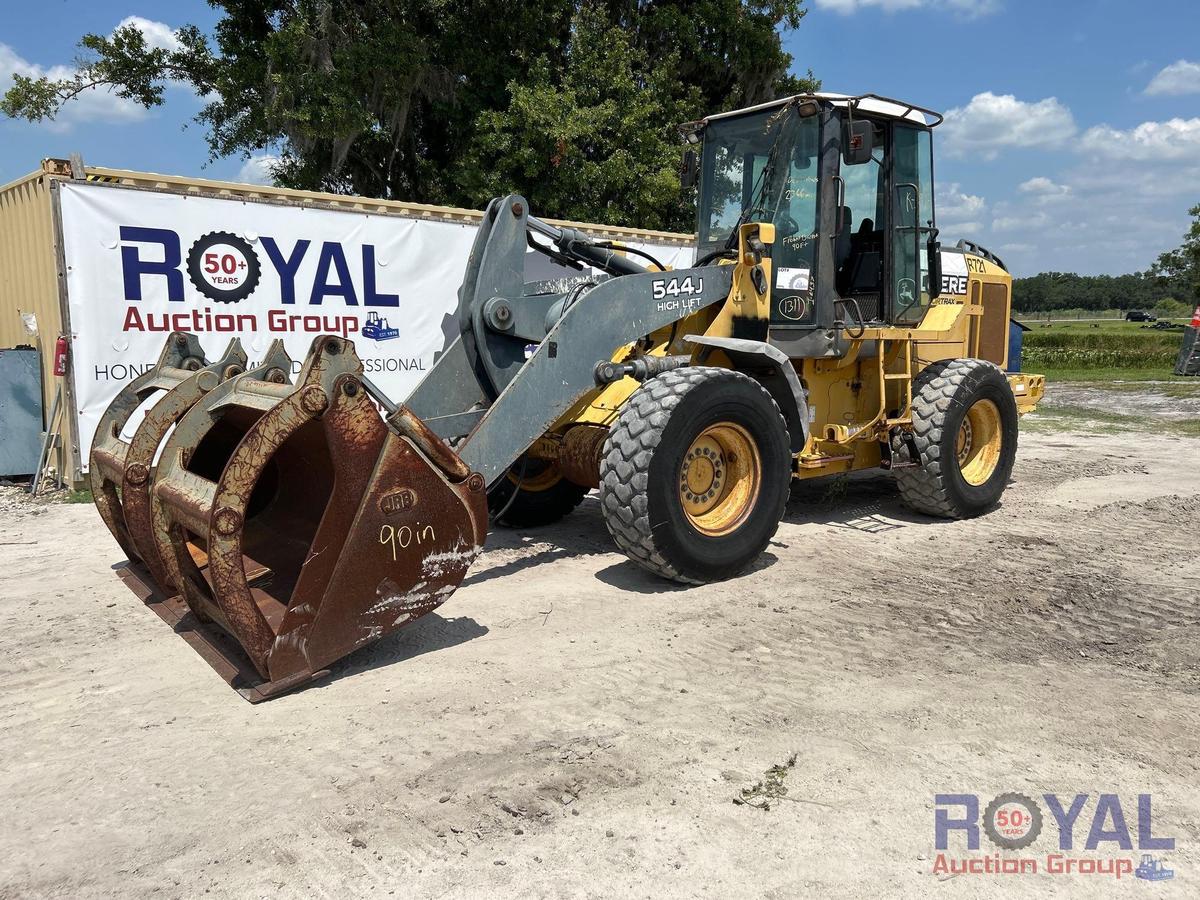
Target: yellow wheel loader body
x=290, y=522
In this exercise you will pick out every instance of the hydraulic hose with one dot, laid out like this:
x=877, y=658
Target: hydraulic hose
x=576, y=245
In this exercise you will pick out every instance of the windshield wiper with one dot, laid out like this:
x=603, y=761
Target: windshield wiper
x=765, y=178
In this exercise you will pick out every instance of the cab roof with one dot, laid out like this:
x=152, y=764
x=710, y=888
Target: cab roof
x=872, y=104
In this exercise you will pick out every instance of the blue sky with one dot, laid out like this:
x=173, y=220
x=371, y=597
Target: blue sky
x=1072, y=139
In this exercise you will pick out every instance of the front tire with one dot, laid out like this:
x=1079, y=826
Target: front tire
x=543, y=495
x=965, y=433
x=695, y=473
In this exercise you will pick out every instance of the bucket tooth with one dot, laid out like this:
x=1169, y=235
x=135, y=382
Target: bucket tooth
x=301, y=525
x=122, y=472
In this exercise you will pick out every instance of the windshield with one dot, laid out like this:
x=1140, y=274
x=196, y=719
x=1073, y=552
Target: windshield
x=765, y=165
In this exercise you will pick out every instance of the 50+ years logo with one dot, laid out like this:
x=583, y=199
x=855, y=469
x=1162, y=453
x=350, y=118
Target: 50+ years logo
x=223, y=267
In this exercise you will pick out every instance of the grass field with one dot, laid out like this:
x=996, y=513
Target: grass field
x=1052, y=417
x=1111, y=377
x=1100, y=350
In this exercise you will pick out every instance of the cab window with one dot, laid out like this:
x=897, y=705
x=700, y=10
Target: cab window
x=763, y=168
x=859, y=227
x=912, y=220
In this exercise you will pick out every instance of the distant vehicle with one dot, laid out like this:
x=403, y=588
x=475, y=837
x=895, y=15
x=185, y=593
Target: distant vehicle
x=1140, y=315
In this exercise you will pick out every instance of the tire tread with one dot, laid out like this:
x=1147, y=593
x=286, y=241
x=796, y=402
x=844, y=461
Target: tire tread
x=628, y=451
x=924, y=487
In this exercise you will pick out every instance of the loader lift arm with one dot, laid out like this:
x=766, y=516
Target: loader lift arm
x=513, y=400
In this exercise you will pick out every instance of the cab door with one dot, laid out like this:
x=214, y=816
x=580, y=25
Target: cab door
x=911, y=222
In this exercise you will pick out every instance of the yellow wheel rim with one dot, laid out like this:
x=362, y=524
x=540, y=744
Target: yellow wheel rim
x=979, y=442
x=720, y=478
x=540, y=475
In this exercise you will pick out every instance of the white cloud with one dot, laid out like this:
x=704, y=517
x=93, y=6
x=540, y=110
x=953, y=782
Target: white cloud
x=92, y=105
x=1180, y=77
x=1175, y=139
x=1114, y=211
x=1117, y=199
x=12, y=64
x=1026, y=223
x=955, y=204
x=97, y=104
x=157, y=34
x=959, y=212
x=991, y=122
x=257, y=169
x=1009, y=250
x=1043, y=189
x=965, y=8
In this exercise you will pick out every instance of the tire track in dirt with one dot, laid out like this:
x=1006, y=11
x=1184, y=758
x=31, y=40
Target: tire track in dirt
x=1080, y=598
x=1020, y=589
x=896, y=654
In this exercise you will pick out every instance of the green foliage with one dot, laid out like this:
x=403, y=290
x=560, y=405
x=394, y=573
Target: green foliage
x=729, y=50
x=1106, y=377
x=591, y=131
x=593, y=142
x=374, y=97
x=123, y=62
x=1066, y=290
x=1170, y=308
x=443, y=101
x=1179, y=269
x=1076, y=347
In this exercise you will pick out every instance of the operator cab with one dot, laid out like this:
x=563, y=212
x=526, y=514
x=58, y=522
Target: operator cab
x=848, y=184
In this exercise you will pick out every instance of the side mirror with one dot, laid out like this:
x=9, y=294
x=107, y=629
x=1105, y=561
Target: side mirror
x=857, y=142
x=934, y=255
x=689, y=171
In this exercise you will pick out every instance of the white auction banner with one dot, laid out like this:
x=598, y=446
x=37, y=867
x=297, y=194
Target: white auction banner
x=141, y=264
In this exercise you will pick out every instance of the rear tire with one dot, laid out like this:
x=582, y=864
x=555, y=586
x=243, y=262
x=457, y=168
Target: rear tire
x=544, y=495
x=965, y=432
x=695, y=473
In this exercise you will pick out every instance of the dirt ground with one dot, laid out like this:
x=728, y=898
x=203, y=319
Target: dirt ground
x=568, y=726
x=1164, y=401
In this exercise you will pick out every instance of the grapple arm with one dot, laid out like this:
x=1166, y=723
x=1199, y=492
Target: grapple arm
x=293, y=524
x=121, y=472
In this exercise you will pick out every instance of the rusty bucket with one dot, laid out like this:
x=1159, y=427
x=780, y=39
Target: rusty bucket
x=121, y=472
x=295, y=523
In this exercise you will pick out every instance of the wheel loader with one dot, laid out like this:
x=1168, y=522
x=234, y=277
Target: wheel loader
x=822, y=329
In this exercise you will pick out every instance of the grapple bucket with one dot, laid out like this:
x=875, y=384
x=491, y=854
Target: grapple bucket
x=300, y=524
x=122, y=472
